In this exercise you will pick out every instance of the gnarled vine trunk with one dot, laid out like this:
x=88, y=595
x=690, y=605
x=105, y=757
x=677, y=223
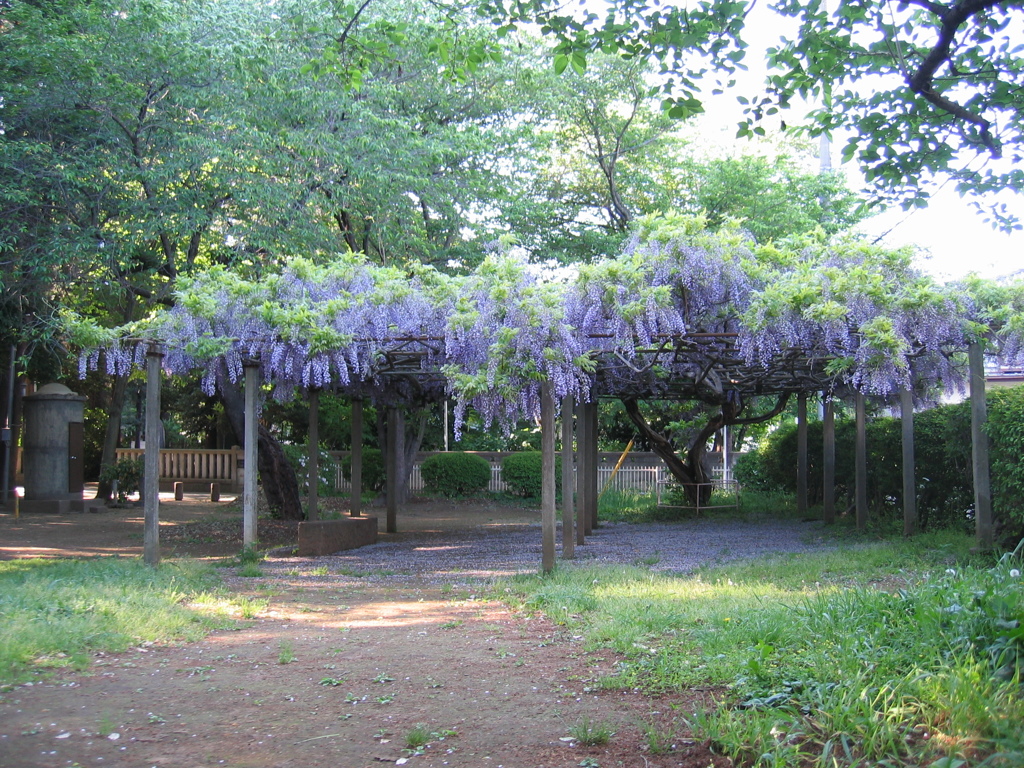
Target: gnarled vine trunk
x=691, y=473
x=277, y=476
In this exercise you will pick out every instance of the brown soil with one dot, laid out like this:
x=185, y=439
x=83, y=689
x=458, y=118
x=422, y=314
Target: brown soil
x=336, y=672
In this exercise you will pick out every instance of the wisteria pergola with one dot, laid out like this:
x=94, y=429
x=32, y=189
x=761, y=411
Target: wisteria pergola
x=683, y=313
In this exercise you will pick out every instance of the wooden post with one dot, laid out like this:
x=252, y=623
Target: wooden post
x=568, y=483
x=861, y=463
x=909, y=470
x=983, y=525
x=356, y=469
x=592, y=460
x=214, y=492
x=313, y=494
x=801, y=454
x=391, y=469
x=249, y=489
x=547, y=481
x=581, y=474
x=828, y=479
x=151, y=462
x=587, y=438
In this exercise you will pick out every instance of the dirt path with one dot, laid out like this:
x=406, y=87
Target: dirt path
x=338, y=671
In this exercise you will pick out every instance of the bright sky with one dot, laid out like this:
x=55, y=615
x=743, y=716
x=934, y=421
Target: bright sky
x=953, y=236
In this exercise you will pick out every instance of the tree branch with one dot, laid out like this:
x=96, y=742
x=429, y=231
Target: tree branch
x=952, y=17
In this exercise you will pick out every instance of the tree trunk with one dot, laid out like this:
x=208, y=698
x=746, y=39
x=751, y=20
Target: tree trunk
x=412, y=442
x=115, y=405
x=277, y=476
x=692, y=474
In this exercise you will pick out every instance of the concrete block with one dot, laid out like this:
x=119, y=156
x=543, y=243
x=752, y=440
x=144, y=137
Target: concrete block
x=323, y=537
x=214, y=491
x=179, y=491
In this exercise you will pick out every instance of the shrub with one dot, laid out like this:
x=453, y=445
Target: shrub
x=373, y=469
x=521, y=473
x=943, y=464
x=127, y=473
x=327, y=469
x=455, y=473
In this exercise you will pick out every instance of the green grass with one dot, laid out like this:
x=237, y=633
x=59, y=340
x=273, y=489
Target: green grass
x=631, y=506
x=56, y=613
x=896, y=652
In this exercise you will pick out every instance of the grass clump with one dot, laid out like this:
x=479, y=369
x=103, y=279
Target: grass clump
x=901, y=652
x=591, y=734
x=56, y=613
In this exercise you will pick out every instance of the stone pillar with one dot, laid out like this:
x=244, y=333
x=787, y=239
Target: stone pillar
x=249, y=489
x=151, y=460
x=52, y=450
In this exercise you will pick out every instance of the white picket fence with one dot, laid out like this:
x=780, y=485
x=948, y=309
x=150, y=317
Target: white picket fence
x=645, y=477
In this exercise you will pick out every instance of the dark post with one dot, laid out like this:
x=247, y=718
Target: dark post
x=861, y=474
x=592, y=454
x=356, y=469
x=568, y=482
x=582, y=466
x=828, y=480
x=547, y=481
x=313, y=494
x=909, y=479
x=394, y=449
x=983, y=527
x=801, y=454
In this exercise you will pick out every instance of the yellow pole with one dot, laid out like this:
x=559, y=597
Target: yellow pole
x=618, y=465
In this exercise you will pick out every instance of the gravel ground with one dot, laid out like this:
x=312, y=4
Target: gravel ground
x=489, y=552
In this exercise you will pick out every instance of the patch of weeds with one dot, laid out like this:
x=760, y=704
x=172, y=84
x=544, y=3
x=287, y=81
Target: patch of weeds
x=420, y=737
x=285, y=652
x=249, y=607
x=659, y=742
x=649, y=560
x=203, y=673
x=334, y=682
x=383, y=677
x=387, y=698
x=589, y=762
x=591, y=734
x=352, y=573
x=351, y=698
x=453, y=624
x=250, y=570
x=156, y=719
x=320, y=570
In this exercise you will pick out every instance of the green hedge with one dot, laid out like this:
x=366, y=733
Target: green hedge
x=455, y=473
x=373, y=469
x=521, y=473
x=942, y=445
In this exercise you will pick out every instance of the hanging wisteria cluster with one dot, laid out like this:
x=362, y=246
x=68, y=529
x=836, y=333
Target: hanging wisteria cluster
x=879, y=325
x=677, y=305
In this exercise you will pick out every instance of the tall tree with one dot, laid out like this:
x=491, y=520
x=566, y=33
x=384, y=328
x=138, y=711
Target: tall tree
x=929, y=88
